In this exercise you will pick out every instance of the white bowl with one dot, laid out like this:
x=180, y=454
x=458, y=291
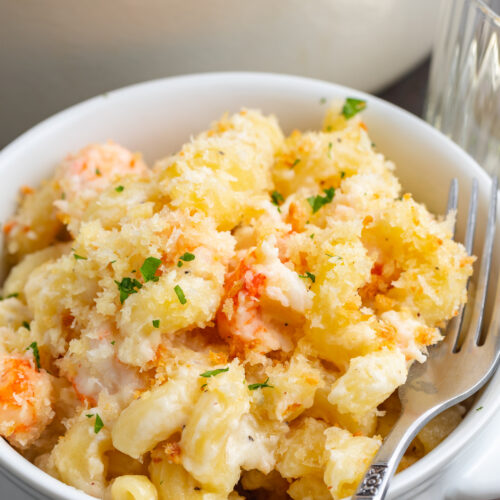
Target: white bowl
x=157, y=117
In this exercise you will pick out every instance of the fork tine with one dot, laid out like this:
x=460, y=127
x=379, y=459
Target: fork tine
x=474, y=330
x=492, y=340
x=453, y=200
x=471, y=219
x=453, y=331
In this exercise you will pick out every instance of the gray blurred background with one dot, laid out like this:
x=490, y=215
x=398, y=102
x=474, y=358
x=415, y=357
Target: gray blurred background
x=55, y=53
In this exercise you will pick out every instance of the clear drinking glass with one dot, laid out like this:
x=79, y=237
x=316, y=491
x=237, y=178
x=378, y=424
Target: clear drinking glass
x=463, y=97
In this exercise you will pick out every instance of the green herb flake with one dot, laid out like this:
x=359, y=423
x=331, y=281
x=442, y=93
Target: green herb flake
x=187, y=257
x=119, y=189
x=252, y=387
x=330, y=145
x=98, y=172
x=149, y=268
x=309, y=275
x=203, y=386
x=63, y=196
x=26, y=325
x=99, y=424
x=112, y=261
x=296, y=162
x=329, y=128
x=79, y=257
x=318, y=201
x=277, y=199
x=311, y=236
x=179, y=264
x=342, y=174
x=89, y=415
x=156, y=323
x=113, y=342
x=180, y=294
x=12, y=295
x=213, y=373
x=479, y=409
x=322, y=100
x=34, y=347
x=353, y=107
x=127, y=287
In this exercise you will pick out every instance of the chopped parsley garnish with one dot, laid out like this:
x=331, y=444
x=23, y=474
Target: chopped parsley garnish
x=330, y=145
x=252, y=387
x=276, y=199
x=318, y=201
x=34, y=347
x=203, y=386
x=180, y=294
x=127, y=287
x=148, y=269
x=329, y=128
x=479, y=409
x=99, y=424
x=213, y=373
x=296, y=162
x=156, y=323
x=353, y=107
x=311, y=236
x=309, y=275
x=97, y=172
x=329, y=255
x=322, y=100
x=342, y=174
x=112, y=261
x=119, y=189
x=63, y=196
x=26, y=325
x=187, y=257
x=113, y=342
x=12, y=295
x=79, y=257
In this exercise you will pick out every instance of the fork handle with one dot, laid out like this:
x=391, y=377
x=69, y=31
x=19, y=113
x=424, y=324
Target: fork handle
x=376, y=480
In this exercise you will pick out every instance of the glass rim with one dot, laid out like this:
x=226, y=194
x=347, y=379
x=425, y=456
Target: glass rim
x=488, y=11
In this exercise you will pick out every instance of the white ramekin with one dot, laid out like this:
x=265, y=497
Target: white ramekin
x=157, y=117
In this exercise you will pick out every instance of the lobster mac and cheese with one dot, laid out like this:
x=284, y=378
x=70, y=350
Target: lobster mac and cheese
x=234, y=318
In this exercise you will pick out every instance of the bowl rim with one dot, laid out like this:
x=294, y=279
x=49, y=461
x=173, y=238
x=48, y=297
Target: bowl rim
x=412, y=477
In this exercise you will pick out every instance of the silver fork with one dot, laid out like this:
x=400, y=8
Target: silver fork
x=453, y=370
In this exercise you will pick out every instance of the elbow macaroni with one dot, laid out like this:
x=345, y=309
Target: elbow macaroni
x=234, y=319
x=156, y=415
x=133, y=488
x=204, y=441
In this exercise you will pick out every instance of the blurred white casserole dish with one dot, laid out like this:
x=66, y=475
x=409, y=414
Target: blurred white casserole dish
x=157, y=117
x=57, y=53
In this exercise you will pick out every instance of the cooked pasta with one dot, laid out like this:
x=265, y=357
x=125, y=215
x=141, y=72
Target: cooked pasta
x=233, y=319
